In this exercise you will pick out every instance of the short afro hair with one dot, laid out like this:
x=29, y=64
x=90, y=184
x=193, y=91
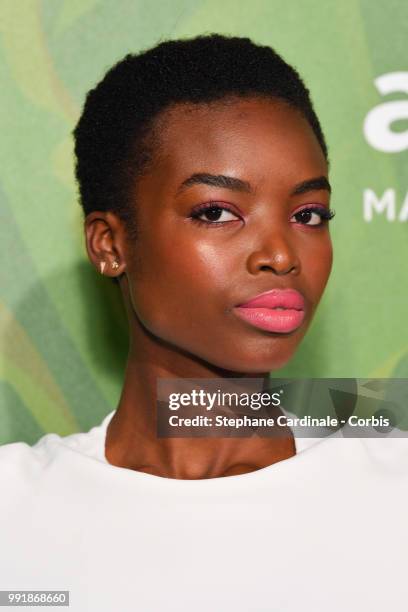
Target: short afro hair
x=114, y=135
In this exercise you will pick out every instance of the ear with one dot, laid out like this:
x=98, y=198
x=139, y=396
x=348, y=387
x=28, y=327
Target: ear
x=105, y=242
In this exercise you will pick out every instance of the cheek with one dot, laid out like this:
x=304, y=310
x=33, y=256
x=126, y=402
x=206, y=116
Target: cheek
x=316, y=267
x=176, y=286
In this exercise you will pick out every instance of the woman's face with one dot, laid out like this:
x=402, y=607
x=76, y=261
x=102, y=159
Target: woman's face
x=187, y=275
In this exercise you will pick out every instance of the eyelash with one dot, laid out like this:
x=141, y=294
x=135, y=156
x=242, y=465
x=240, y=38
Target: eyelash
x=326, y=214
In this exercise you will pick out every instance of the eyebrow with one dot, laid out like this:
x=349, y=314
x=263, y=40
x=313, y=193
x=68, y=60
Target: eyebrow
x=216, y=180
x=236, y=184
x=313, y=184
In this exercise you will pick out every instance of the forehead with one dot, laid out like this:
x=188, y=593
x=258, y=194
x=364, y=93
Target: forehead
x=255, y=139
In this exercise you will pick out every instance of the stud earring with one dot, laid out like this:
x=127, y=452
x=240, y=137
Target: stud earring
x=102, y=266
x=115, y=265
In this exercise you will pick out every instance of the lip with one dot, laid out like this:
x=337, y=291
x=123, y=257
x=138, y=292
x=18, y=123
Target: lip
x=262, y=310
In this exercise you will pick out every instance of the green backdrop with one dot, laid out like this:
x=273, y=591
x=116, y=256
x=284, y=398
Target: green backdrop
x=63, y=329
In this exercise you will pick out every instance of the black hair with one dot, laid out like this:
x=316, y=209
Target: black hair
x=114, y=137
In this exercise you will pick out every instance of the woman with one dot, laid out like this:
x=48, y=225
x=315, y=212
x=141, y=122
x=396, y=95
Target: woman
x=222, y=137
x=203, y=177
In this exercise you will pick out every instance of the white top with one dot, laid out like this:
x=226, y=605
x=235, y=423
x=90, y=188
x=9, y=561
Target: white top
x=325, y=530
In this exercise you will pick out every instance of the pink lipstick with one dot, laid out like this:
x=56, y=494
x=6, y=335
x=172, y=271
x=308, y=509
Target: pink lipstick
x=278, y=310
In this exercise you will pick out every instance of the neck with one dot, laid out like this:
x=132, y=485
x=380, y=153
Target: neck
x=131, y=439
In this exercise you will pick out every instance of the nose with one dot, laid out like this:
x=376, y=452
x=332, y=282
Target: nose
x=275, y=255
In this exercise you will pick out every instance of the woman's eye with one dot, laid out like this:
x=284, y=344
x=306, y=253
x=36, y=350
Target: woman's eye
x=214, y=214
x=220, y=215
x=312, y=216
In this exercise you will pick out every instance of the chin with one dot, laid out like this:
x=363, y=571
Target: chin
x=269, y=365
x=261, y=352
x=257, y=361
